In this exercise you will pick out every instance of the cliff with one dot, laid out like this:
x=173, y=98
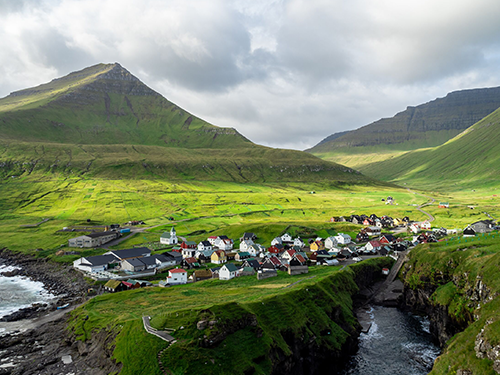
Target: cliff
x=456, y=285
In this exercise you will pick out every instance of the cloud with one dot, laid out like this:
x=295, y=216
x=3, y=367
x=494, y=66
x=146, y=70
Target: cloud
x=284, y=73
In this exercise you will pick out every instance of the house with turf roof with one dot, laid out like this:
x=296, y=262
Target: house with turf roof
x=228, y=271
x=200, y=275
x=177, y=276
x=113, y=286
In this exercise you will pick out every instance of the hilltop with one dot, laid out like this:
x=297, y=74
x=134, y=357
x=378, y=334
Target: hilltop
x=104, y=122
x=426, y=125
x=471, y=158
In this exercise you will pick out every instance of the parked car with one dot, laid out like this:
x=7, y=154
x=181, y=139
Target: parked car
x=357, y=259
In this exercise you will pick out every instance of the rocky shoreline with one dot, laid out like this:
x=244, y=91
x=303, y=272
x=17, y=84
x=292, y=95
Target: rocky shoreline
x=38, y=341
x=61, y=280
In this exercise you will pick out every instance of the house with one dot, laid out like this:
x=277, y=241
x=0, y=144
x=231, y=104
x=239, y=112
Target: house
x=343, y=239
x=276, y=249
x=149, y=262
x=415, y=228
x=134, y=265
x=204, y=245
x=96, y=263
x=469, y=232
x=177, y=276
x=270, y=263
x=251, y=263
x=228, y=271
x=299, y=258
x=373, y=246
x=248, y=236
x=224, y=243
x=483, y=226
x=173, y=256
x=288, y=255
x=286, y=238
x=169, y=238
x=204, y=256
x=188, y=245
x=212, y=240
x=372, y=231
x=164, y=260
x=93, y=239
x=136, y=252
x=330, y=242
x=298, y=242
x=190, y=263
x=241, y=256
x=245, y=245
x=256, y=249
x=188, y=252
x=297, y=268
x=444, y=205
x=317, y=245
x=425, y=225
x=362, y=237
x=387, y=239
x=276, y=241
x=113, y=286
x=246, y=271
x=200, y=275
x=219, y=257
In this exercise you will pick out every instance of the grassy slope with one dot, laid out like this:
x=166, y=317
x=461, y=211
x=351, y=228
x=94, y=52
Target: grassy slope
x=306, y=307
x=455, y=267
x=471, y=159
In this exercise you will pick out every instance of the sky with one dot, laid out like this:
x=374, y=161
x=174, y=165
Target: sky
x=284, y=73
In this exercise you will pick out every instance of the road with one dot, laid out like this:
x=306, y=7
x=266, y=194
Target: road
x=419, y=208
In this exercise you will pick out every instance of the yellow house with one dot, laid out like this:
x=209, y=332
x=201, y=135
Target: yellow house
x=317, y=245
x=218, y=257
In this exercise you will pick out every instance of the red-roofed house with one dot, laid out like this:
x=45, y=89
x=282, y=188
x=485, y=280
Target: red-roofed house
x=373, y=245
x=177, y=276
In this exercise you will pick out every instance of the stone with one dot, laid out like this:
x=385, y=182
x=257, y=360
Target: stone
x=201, y=325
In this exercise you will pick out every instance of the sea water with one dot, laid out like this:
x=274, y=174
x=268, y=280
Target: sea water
x=397, y=343
x=18, y=292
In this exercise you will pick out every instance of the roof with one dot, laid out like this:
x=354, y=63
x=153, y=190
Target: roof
x=223, y=237
x=203, y=273
x=190, y=243
x=100, y=260
x=177, y=270
x=230, y=267
x=100, y=234
x=300, y=258
x=134, y=262
x=165, y=235
x=206, y=243
x=113, y=284
x=161, y=257
x=244, y=254
x=190, y=260
x=130, y=253
x=148, y=261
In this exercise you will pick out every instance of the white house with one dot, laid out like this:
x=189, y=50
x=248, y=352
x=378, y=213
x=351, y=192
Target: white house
x=228, y=271
x=373, y=231
x=343, y=239
x=277, y=241
x=245, y=245
x=330, y=242
x=415, y=228
x=177, y=276
x=298, y=242
x=188, y=253
x=373, y=246
x=224, y=243
x=256, y=249
x=169, y=238
x=96, y=263
x=286, y=238
x=425, y=225
x=204, y=245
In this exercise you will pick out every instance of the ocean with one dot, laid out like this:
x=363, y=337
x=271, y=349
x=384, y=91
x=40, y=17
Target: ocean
x=18, y=292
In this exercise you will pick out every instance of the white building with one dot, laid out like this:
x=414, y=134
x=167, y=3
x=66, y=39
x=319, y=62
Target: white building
x=245, y=245
x=169, y=238
x=228, y=271
x=343, y=239
x=93, y=239
x=177, y=276
x=330, y=242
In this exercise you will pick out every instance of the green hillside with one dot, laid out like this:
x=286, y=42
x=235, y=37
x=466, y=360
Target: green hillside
x=471, y=159
x=427, y=125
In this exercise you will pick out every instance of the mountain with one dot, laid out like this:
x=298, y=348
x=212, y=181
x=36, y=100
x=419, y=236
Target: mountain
x=427, y=125
x=104, y=122
x=470, y=159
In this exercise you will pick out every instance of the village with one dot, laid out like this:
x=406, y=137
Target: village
x=218, y=257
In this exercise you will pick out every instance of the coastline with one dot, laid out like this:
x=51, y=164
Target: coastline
x=60, y=280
